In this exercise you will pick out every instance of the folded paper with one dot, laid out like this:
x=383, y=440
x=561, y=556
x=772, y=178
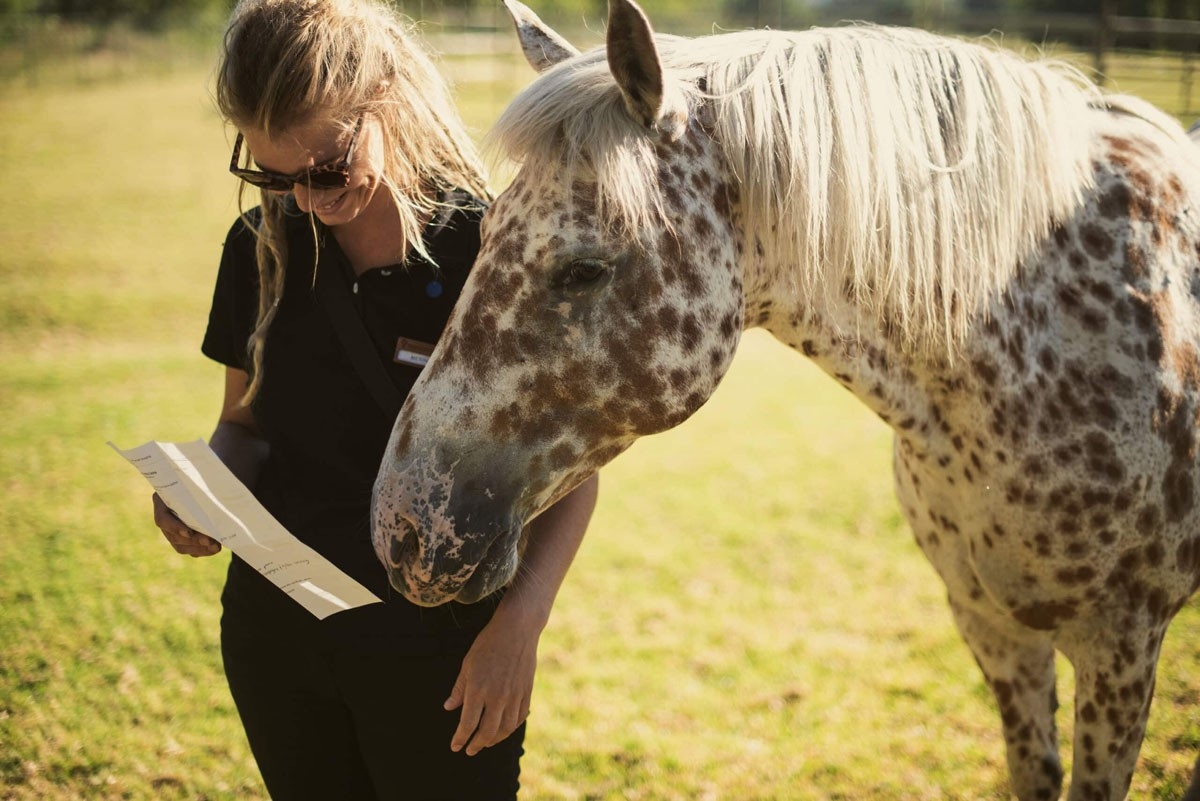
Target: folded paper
x=202, y=492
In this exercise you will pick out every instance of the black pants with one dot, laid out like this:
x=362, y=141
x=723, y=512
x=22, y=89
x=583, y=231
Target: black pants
x=326, y=721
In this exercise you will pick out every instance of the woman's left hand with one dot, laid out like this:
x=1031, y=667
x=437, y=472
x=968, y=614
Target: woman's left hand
x=495, y=683
x=496, y=680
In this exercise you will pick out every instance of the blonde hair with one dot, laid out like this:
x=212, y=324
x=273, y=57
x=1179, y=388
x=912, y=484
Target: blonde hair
x=283, y=62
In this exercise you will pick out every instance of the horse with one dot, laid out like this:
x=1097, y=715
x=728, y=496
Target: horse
x=998, y=258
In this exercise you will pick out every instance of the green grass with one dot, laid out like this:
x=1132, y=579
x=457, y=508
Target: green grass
x=748, y=618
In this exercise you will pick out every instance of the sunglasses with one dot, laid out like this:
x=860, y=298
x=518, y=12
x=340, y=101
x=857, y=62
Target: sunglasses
x=330, y=175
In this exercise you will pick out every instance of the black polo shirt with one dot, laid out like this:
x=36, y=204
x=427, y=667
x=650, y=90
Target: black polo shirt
x=326, y=432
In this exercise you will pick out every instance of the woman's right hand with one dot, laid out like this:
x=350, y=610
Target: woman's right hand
x=237, y=444
x=182, y=539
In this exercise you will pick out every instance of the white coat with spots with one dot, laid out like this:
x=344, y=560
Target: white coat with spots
x=997, y=259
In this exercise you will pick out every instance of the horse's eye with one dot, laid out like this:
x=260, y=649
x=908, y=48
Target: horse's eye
x=582, y=271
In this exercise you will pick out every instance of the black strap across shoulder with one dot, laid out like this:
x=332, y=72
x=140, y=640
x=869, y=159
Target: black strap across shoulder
x=334, y=296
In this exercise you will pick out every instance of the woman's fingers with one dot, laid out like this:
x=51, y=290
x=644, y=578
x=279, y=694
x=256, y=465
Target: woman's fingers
x=183, y=539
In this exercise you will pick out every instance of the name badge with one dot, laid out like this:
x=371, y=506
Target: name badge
x=412, y=352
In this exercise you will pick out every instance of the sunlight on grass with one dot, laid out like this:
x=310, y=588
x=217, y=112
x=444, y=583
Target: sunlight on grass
x=748, y=618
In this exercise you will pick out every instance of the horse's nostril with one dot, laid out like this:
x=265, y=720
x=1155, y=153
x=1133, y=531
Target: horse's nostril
x=403, y=544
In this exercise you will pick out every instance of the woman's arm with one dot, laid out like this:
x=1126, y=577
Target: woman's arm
x=236, y=439
x=237, y=443
x=495, y=684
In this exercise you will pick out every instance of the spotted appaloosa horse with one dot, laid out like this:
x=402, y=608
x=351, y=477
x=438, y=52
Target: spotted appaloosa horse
x=998, y=260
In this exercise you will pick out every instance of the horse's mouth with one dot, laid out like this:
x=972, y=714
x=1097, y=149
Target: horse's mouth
x=488, y=577
x=461, y=582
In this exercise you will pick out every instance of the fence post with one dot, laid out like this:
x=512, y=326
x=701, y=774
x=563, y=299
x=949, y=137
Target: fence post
x=768, y=14
x=1185, y=83
x=1103, y=40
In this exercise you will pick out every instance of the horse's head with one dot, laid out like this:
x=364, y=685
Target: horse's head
x=604, y=305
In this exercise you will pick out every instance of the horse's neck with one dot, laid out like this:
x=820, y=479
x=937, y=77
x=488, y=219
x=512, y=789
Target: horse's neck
x=907, y=391
x=859, y=360
x=898, y=387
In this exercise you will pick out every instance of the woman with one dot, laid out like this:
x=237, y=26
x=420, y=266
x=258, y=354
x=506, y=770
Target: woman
x=366, y=172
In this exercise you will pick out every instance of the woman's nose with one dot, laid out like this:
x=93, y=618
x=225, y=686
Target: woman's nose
x=304, y=197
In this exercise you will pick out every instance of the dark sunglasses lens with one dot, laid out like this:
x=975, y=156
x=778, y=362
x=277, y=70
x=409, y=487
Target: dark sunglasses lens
x=335, y=179
x=264, y=181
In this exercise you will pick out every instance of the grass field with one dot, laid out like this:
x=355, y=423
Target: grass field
x=748, y=618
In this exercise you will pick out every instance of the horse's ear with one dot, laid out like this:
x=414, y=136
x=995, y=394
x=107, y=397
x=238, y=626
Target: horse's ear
x=542, y=45
x=633, y=60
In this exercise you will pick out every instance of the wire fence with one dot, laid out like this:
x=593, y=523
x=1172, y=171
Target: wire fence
x=1154, y=58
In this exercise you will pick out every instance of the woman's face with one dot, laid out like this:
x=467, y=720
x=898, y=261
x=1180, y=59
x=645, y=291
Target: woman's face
x=322, y=141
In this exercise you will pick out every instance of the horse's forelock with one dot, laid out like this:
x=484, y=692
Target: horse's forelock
x=572, y=124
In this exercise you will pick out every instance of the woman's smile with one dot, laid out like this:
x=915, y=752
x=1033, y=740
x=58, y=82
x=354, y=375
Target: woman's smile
x=326, y=205
x=331, y=205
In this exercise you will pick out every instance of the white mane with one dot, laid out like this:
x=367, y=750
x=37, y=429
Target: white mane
x=916, y=169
